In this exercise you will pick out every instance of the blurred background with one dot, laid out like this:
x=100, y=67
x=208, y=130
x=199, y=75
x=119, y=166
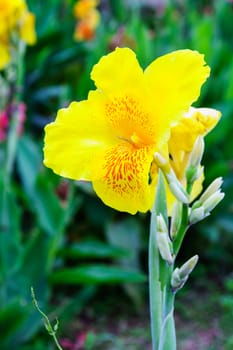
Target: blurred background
x=86, y=262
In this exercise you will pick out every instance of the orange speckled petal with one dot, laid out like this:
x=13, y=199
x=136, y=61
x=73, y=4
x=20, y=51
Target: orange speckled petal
x=125, y=184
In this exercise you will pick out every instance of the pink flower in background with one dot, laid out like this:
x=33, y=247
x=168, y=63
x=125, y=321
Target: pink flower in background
x=21, y=117
x=4, y=122
x=5, y=116
x=78, y=344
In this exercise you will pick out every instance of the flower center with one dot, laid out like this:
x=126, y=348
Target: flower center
x=131, y=121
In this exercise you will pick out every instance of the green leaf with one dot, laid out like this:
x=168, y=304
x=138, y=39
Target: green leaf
x=51, y=215
x=93, y=249
x=96, y=274
x=10, y=237
x=29, y=161
x=11, y=318
x=125, y=234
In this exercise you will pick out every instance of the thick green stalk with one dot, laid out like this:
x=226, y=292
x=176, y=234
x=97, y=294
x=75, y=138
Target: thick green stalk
x=184, y=224
x=161, y=296
x=182, y=230
x=154, y=285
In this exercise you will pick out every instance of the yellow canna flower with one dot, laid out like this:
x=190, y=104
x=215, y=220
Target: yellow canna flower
x=196, y=122
x=27, y=28
x=14, y=19
x=85, y=29
x=110, y=138
x=83, y=7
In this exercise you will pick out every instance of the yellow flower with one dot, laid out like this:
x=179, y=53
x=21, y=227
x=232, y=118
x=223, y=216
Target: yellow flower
x=83, y=7
x=14, y=19
x=110, y=138
x=27, y=28
x=4, y=54
x=87, y=14
x=196, y=122
x=85, y=29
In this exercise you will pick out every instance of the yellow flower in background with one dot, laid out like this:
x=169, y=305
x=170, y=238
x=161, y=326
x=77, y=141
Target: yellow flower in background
x=27, y=28
x=83, y=7
x=85, y=29
x=88, y=19
x=110, y=138
x=15, y=19
x=196, y=122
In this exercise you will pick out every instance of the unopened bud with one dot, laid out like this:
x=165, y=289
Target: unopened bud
x=196, y=215
x=162, y=163
x=161, y=224
x=213, y=201
x=213, y=187
x=178, y=191
x=180, y=275
x=175, y=186
x=175, y=219
x=188, y=267
x=164, y=247
x=192, y=171
x=197, y=153
x=176, y=282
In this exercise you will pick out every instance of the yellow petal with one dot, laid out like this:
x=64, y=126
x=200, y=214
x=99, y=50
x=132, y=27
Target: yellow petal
x=125, y=183
x=85, y=29
x=196, y=122
x=4, y=56
x=83, y=7
x=27, y=28
x=117, y=72
x=174, y=81
x=76, y=142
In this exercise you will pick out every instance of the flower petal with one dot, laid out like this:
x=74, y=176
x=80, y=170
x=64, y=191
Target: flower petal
x=125, y=184
x=196, y=122
x=175, y=80
x=76, y=142
x=118, y=71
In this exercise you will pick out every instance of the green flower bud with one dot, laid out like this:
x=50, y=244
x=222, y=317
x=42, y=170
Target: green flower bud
x=196, y=215
x=188, y=267
x=178, y=191
x=213, y=187
x=175, y=219
x=197, y=153
x=180, y=275
x=213, y=201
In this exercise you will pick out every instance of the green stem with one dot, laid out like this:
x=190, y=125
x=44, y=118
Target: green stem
x=161, y=296
x=184, y=224
x=51, y=330
x=182, y=230
x=154, y=285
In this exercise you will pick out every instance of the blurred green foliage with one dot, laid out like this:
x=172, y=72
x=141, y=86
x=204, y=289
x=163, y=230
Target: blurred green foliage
x=55, y=233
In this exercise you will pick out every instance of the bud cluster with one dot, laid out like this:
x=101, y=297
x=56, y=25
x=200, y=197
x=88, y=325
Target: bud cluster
x=163, y=241
x=181, y=274
x=169, y=239
x=174, y=184
x=207, y=202
x=194, y=169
